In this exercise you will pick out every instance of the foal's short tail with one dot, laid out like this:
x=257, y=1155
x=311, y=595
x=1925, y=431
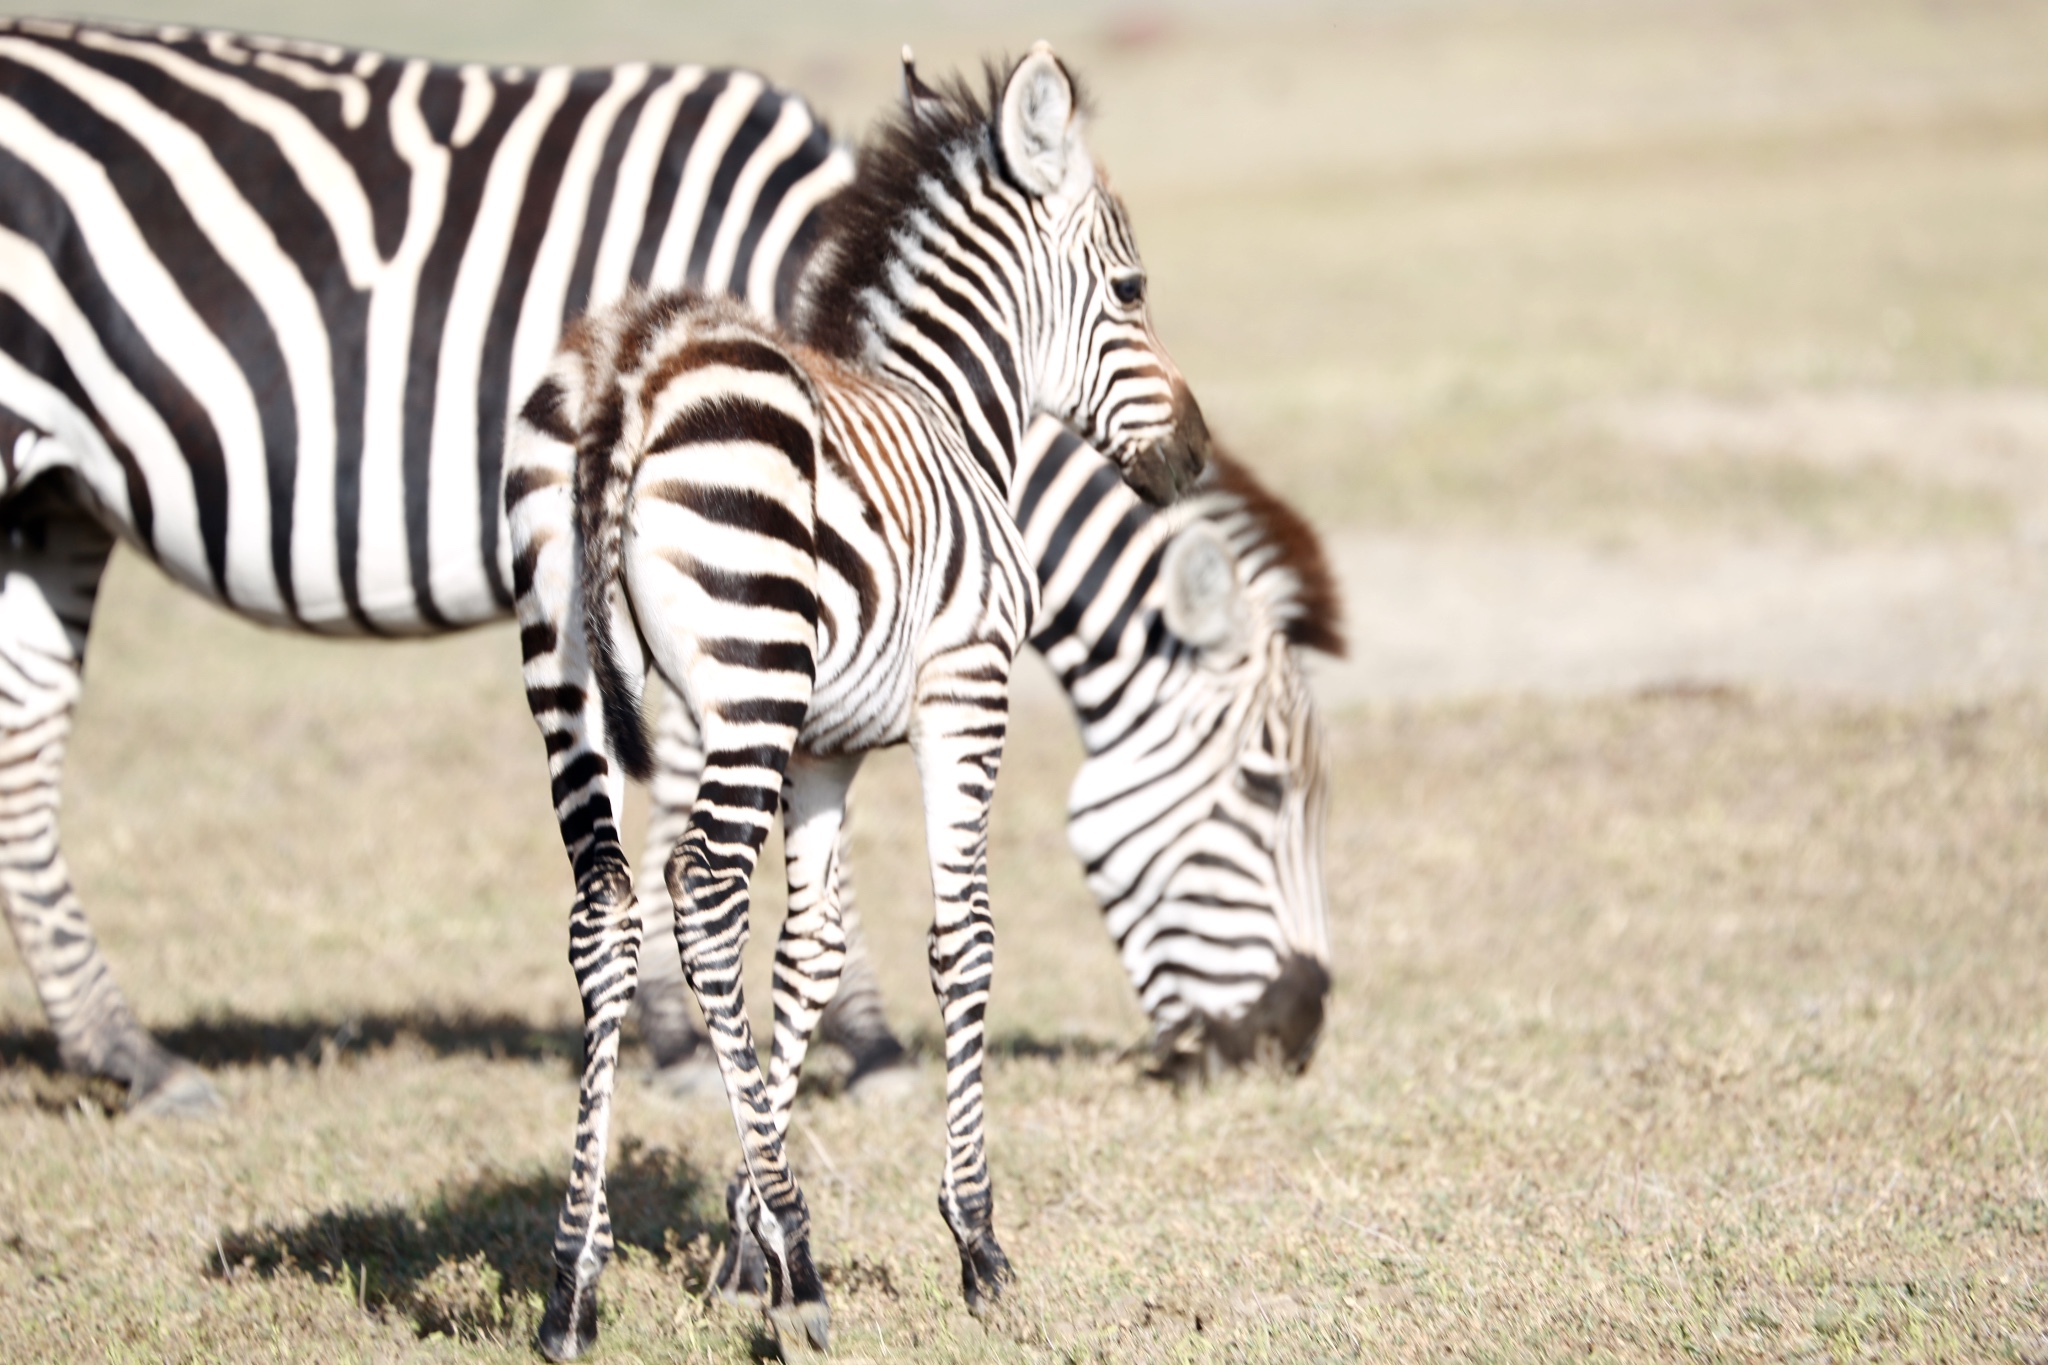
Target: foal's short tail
x=604, y=477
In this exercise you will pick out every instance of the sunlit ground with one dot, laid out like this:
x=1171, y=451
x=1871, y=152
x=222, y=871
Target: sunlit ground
x=1705, y=1023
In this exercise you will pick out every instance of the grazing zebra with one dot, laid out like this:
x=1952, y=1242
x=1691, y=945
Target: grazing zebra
x=1197, y=811
x=809, y=539
x=195, y=228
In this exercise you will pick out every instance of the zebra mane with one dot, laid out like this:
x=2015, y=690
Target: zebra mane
x=903, y=151
x=1310, y=607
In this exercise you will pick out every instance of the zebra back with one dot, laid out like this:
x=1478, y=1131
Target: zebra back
x=272, y=299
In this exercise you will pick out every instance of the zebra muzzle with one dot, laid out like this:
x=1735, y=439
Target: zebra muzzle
x=1280, y=1030
x=1163, y=472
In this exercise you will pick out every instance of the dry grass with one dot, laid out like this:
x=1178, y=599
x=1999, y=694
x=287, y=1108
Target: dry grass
x=1704, y=1026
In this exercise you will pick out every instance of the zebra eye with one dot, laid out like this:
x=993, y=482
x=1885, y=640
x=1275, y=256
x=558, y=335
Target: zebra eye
x=1129, y=289
x=1264, y=788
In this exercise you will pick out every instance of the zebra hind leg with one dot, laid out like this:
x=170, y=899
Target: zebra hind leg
x=709, y=876
x=604, y=943
x=684, y=1066
x=604, y=948
x=810, y=957
x=52, y=553
x=809, y=962
x=604, y=924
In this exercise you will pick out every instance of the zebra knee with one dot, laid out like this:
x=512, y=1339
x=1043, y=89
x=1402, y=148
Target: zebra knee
x=605, y=883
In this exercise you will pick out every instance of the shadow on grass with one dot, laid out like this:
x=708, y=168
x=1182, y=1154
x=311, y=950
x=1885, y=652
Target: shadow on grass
x=476, y=1261
x=237, y=1040
x=1069, y=1048
x=240, y=1040
x=226, y=1040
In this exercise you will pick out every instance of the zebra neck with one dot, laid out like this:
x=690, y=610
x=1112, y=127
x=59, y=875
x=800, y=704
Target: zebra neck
x=924, y=349
x=1096, y=548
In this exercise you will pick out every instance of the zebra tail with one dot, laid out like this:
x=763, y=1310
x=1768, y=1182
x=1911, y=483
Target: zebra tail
x=604, y=478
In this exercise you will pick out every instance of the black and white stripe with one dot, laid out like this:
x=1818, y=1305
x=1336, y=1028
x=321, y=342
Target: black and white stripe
x=195, y=228
x=809, y=540
x=270, y=299
x=1198, y=811
x=263, y=306
x=1178, y=637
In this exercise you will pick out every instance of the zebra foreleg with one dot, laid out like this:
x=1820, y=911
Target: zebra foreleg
x=52, y=553
x=854, y=1021
x=959, y=745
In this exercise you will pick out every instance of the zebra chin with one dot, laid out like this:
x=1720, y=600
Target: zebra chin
x=1169, y=467
x=1279, y=1030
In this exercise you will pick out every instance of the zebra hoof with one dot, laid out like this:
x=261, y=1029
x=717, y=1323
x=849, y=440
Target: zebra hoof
x=743, y=1274
x=181, y=1091
x=569, y=1327
x=984, y=1272
x=695, y=1081
x=800, y=1329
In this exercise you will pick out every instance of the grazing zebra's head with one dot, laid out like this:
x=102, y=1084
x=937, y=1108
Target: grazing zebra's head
x=1198, y=811
x=980, y=254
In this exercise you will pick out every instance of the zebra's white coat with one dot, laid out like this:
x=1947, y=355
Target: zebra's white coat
x=1178, y=636
x=810, y=541
x=296, y=175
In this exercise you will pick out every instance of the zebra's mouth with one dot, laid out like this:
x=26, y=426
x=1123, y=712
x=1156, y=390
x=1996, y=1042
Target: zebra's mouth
x=1163, y=471
x=1279, y=1030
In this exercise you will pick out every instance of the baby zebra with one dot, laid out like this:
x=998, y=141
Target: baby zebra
x=809, y=538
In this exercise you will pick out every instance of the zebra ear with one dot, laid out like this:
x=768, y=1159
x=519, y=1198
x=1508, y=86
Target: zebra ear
x=1203, y=596
x=916, y=94
x=1036, y=125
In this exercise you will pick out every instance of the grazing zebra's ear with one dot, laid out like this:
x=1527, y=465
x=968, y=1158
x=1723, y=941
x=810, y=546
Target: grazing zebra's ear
x=1204, y=600
x=1037, y=122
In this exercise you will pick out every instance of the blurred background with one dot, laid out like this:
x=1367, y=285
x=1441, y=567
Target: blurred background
x=1669, y=381
x=1614, y=342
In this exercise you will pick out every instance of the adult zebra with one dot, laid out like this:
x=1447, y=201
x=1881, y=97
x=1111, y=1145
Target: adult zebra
x=807, y=535
x=262, y=308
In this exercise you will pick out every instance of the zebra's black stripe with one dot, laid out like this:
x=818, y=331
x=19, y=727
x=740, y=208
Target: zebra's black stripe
x=294, y=130
x=678, y=529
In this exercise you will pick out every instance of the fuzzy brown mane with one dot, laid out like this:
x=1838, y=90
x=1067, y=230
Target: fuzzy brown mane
x=1318, y=619
x=860, y=223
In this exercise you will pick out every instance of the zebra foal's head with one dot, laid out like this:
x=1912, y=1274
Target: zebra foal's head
x=979, y=252
x=1199, y=809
